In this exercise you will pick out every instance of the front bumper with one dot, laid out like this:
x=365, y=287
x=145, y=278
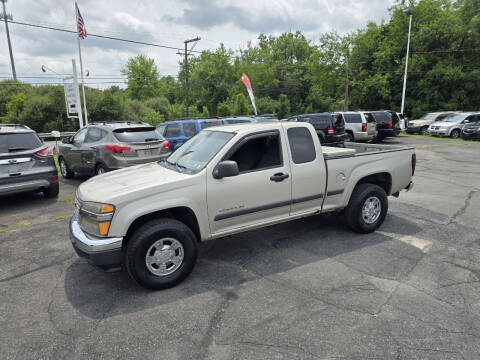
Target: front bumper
x=413, y=129
x=439, y=132
x=103, y=252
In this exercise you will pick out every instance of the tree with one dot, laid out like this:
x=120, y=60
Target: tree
x=241, y=105
x=283, y=110
x=223, y=109
x=15, y=105
x=205, y=112
x=142, y=78
x=153, y=118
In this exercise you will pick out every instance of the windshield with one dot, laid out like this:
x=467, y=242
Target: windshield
x=195, y=154
x=455, y=118
x=429, y=117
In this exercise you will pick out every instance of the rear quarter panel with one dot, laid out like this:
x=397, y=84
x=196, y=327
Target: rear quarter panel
x=345, y=173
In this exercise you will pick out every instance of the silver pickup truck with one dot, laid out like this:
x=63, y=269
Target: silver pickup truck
x=225, y=180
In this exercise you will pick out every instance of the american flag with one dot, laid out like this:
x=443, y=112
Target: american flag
x=82, y=31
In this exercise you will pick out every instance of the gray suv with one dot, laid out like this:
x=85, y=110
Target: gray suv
x=101, y=147
x=26, y=163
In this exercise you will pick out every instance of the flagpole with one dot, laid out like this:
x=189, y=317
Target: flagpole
x=81, y=68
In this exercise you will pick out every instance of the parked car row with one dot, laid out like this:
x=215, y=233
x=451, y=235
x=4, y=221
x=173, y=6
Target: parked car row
x=453, y=124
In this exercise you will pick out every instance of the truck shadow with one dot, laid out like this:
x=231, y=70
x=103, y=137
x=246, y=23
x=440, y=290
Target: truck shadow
x=228, y=262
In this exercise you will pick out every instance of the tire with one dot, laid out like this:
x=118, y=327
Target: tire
x=349, y=136
x=66, y=173
x=423, y=130
x=354, y=214
x=100, y=169
x=455, y=134
x=145, y=239
x=52, y=191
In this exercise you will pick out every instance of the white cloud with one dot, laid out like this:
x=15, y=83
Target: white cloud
x=166, y=22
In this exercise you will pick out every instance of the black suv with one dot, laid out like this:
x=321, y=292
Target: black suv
x=330, y=127
x=388, y=123
x=26, y=163
x=471, y=130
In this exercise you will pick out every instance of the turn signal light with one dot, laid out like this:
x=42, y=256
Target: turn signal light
x=330, y=130
x=47, y=152
x=166, y=144
x=117, y=149
x=106, y=209
x=103, y=228
x=364, y=127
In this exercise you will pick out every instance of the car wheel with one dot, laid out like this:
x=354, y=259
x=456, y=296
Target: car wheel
x=349, y=136
x=161, y=254
x=66, y=173
x=52, y=191
x=100, y=169
x=455, y=134
x=423, y=130
x=367, y=208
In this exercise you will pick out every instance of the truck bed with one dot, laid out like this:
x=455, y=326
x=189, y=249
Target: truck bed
x=358, y=149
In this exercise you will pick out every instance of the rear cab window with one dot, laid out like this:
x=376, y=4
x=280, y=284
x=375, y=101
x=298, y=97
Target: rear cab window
x=301, y=145
x=12, y=142
x=140, y=134
x=189, y=129
x=353, y=118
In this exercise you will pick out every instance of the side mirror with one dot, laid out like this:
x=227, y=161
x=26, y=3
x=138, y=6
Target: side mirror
x=226, y=168
x=466, y=121
x=66, y=140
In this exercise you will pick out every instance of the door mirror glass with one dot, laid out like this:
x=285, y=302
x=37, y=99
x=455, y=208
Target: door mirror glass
x=226, y=168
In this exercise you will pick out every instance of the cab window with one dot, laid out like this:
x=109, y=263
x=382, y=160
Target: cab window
x=79, y=137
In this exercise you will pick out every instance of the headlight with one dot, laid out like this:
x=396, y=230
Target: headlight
x=95, y=218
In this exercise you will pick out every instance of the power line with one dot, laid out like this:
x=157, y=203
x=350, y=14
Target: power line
x=118, y=39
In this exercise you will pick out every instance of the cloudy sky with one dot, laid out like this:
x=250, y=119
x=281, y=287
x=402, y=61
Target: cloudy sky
x=166, y=22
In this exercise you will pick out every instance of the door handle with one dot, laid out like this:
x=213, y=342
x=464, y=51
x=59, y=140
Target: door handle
x=278, y=177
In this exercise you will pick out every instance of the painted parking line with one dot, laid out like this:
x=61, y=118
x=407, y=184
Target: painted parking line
x=419, y=243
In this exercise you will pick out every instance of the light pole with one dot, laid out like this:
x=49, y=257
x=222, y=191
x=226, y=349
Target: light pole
x=409, y=13
x=6, y=17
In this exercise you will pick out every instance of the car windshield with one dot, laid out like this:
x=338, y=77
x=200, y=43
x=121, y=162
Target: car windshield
x=195, y=154
x=11, y=142
x=455, y=118
x=429, y=117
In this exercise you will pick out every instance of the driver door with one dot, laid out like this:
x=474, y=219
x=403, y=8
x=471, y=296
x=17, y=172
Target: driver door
x=74, y=159
x=260, y=193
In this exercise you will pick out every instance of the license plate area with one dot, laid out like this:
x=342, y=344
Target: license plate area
x=147, y=152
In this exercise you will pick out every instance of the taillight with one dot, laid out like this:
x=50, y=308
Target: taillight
x=364, y=127
x=414, y=163
x=390, y=124
x=47, y=152
x=54, y=179
x=330, y=130
x=166, y=144
x=117, y=149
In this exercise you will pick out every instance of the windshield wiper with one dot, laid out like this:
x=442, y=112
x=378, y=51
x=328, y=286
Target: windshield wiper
x=177, y=165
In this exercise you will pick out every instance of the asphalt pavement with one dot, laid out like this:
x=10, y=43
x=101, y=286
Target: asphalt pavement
x=308, y=289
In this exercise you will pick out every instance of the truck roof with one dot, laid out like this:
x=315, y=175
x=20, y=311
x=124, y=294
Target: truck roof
x=251, y=127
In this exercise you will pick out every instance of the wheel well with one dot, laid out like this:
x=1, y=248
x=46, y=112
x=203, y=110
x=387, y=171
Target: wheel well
x=384, y=180
x=182, y=214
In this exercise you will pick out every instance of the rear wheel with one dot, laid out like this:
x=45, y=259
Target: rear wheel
x=161, y=254
x=424, y=130
x=100, y=169
x=66, y=173
x=367, y=208
x=52, y=191
x=455, y=134
x=349, y=136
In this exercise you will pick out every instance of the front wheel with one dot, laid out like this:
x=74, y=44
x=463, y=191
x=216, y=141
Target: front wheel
x=161, y=254
x=367, y=208
x=66, y=173
x=455, y=134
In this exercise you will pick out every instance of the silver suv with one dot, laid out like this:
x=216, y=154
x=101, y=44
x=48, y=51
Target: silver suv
x=359, y=125
x=451, y=125
x=26, y=163
x=101, y=147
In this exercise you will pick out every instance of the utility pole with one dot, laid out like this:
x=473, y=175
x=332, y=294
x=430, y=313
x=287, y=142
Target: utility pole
x=408, y=12
x=186, y=69
x=9, y=16
x=347, y=80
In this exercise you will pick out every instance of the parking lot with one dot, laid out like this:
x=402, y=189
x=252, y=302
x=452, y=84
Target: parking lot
x=309, y=289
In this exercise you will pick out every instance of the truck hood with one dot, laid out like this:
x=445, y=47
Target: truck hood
x=131, y=183
x=419, y=122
